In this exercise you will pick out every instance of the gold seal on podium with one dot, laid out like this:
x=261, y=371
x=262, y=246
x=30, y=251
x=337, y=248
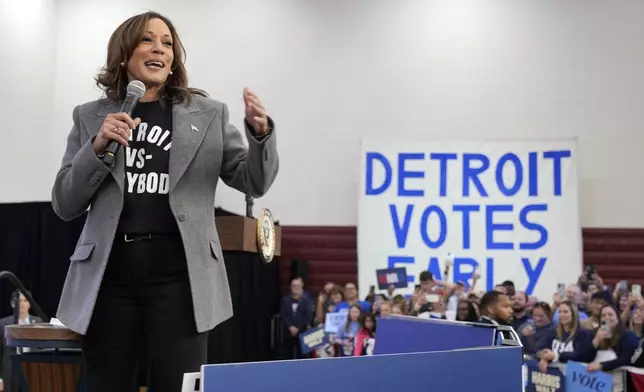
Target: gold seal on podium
x=266, y=235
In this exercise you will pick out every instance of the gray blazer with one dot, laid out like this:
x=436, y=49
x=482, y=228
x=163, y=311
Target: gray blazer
x=205, y=147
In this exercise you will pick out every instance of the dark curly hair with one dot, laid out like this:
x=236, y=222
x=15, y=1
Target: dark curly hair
x=113, y=79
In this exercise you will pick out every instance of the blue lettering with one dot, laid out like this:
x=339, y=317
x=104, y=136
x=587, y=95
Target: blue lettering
x=460, y=276
x=434, y=267
x=424, y=229
x=589, y=382
x=465, y=210
x=489, y=274
x=533, y=274
x=556, y=157
x=472, y=173
x=491, y=227
x=401, y=230
x=543, y=233
x=518, y=176
x=443, y=158
x=393, y=261
x=370, y=190
x=533, y=173
x=404, y=174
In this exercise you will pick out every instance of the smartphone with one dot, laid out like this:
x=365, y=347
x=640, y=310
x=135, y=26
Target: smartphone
x=606, y=328
x=372, y=289
x=561, y=289
x=417, y=287
x=590, y=271
x=622, y=285
x=636, y=289
x=432, y=298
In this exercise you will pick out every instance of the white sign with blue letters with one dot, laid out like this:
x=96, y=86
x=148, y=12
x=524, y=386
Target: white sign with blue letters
x=507, y=208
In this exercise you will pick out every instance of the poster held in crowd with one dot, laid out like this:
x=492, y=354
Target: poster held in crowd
x=553, y=380
x=578, y=379
x=335, y=321
x=396, y=277
x=312, y=339
x=509, y=208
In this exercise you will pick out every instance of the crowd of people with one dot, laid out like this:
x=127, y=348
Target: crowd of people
x=586, y=321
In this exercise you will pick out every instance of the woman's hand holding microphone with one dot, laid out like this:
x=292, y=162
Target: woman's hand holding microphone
x=117, y=127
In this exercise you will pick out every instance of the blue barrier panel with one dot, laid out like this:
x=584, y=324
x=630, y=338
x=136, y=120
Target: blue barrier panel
x=412, y=334
x=492, y=369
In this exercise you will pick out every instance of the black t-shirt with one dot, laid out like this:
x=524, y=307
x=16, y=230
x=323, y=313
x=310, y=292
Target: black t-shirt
x=146, y=206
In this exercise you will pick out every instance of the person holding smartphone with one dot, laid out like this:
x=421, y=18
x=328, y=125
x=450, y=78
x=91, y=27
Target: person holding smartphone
x=613, y=345
x=597, y=303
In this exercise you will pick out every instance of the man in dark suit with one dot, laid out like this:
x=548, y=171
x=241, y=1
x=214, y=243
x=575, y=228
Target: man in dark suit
x=297, y=314
x=17, y=299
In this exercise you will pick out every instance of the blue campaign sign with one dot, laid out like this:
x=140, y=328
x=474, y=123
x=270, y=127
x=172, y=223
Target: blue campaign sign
x=312, y=339
x=392, y=276
x=578, y=379
x=335, y=321
x=402, y=334
x=553, y=380
x=495, y=369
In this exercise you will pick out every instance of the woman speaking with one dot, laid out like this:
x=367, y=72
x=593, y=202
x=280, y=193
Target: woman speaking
x=148, y=270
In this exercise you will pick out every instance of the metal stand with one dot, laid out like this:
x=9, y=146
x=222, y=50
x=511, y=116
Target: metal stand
x=250, y=201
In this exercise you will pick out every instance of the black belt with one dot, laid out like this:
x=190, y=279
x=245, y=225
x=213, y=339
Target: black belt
x=127, y=238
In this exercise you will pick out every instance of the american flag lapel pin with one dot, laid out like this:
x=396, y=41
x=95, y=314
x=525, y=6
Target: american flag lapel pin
x=194, y=129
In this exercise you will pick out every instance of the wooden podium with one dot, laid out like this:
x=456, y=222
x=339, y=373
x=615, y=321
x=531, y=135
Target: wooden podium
x=239, y=234
x=51, y=361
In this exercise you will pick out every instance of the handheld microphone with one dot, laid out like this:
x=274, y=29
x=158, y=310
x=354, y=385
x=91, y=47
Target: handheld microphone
x=135, y=90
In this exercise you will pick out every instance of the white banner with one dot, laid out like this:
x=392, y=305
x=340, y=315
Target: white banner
x=508, y=208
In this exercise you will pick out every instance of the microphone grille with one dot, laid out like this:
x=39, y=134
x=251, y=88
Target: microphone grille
x=136, y=88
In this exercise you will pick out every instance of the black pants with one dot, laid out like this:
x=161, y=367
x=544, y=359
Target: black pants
x=144, y=301
x=290, y=347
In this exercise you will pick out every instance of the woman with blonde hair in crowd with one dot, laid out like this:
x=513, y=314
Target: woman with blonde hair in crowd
x=565, y=342
x=397, y=308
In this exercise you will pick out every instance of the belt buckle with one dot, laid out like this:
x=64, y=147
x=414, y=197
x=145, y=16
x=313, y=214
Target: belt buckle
x=128, y=239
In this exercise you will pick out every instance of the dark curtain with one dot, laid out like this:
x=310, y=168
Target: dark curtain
x=36, y=245
x=254, y=287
